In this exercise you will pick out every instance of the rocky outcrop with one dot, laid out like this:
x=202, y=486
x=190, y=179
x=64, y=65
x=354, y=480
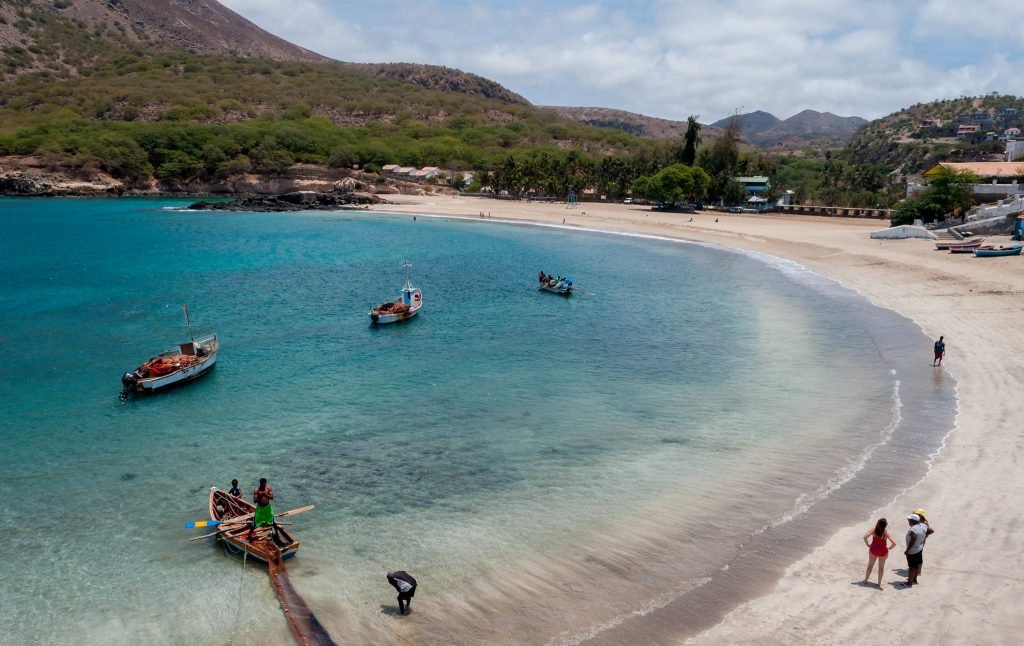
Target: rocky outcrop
x=35, y=185
x=296, y=201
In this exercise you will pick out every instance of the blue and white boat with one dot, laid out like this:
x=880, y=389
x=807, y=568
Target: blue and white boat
x=404, y=307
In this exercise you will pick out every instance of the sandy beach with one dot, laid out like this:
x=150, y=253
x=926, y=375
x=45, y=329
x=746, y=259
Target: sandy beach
x=971, y=581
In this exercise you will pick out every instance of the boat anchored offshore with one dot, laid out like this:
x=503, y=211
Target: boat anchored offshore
x=561, y=285
x=190, y=360
x=404, y=307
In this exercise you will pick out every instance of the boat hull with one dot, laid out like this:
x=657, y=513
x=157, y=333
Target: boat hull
x=565, y=291
x=389, y=315
x=995, y=253
x=178, y=377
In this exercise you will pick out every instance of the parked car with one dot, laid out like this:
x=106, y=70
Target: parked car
x=735, y=209
x=628, y=200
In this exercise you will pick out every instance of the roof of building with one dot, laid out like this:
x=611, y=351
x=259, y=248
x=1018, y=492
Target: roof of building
x=389, y=166
x=753, y=179
x=983, y=169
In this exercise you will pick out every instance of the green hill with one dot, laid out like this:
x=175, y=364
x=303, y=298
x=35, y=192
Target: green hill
x=132, y=103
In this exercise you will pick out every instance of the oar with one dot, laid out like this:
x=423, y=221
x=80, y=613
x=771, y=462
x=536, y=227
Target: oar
x=239, y=521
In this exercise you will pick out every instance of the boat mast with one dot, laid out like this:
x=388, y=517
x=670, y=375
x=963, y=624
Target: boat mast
x=188, y=323
x=408, y=280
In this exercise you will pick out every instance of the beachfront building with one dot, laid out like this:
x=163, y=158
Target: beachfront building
x=999, y=179
x=755, y=185
x=426, y=173
x=389, y=168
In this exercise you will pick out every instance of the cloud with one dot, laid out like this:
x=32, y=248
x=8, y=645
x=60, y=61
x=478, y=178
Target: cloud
x=671, y=59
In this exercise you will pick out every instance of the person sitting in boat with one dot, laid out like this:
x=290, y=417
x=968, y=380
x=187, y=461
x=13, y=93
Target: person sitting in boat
x=234, y=490
x=542, y=277
x=264, y=514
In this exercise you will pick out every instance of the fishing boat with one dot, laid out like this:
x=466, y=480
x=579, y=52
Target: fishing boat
x=968, y=248
x=404, y=307
x=234, y=516
x=1013, y=250
x=968, y=243
x=560, y=286
x=189, y=360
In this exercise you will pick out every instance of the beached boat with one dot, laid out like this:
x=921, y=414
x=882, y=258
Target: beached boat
x=968, y=248
x=404, y=307
x=234, y=516
x=560, y=286
x=991, y=252
x=970, y=243
x=189, y=360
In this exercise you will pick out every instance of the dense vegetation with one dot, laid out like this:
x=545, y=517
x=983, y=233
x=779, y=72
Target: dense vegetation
x=948, y=193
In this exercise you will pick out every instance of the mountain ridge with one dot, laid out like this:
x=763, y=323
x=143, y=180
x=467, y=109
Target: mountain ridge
x=808, y=127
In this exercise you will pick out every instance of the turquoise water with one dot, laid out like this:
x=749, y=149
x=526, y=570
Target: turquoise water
x=499, y=441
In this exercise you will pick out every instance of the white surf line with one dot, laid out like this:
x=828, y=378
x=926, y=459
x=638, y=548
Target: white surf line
x=658, y=602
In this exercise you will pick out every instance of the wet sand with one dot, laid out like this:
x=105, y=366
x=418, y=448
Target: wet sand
x=971, y=581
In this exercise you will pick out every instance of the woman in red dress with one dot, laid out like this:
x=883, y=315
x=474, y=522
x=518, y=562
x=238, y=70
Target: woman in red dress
x=879, y=543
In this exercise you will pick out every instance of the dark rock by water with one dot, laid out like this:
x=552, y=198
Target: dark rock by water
x=296, y=201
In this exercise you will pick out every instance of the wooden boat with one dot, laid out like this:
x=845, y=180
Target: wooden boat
x=560, y=286
x=968, y=248
x=189, y=360
x=991, y=252
x=404, y=307
x=970, y=243
x=235, y=515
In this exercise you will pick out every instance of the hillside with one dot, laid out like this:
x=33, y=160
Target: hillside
x=805, y=129
x=902, y=141
x=85, y=95
x=67, y=36
x=637, y=124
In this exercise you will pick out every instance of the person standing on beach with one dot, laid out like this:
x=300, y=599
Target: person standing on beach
x=928, y=532
x=915, y=548
x=878, y=549
x=264, y=514
x=406, y=586
x=940, y=351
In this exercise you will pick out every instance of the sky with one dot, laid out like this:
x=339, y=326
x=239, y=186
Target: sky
x=710, y=58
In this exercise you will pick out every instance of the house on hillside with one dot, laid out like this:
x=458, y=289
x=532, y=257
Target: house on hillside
x=389, y=168
x=1011, y=133
x=931, y=124
x=968, y=131
x=999, y=179
x=404, y=171
x=427, y=172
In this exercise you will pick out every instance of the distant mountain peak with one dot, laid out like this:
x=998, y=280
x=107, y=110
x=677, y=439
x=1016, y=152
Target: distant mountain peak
x=807, y=126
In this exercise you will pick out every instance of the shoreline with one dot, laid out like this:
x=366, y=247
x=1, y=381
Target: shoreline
x=974, y=303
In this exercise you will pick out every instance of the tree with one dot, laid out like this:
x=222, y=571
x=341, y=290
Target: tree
x=949, y=192
x=676, y=183
x=691, y=140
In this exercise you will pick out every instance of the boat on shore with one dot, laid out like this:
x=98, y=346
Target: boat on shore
x=992, y=252
x=406, y=306
x=967, y=243
x=556, y=285
x=189, y=360
x=234, y=516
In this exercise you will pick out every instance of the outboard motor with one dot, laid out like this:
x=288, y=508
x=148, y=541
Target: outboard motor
x=129, y=381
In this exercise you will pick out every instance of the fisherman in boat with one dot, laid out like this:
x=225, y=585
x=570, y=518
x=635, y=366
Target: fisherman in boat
x=234, y=490
x=264, y=514
x=542, y=277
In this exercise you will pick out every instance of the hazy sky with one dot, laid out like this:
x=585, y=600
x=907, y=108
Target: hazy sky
x=672, y=59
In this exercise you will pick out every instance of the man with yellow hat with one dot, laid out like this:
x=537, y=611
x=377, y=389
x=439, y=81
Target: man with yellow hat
x=928, y=530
